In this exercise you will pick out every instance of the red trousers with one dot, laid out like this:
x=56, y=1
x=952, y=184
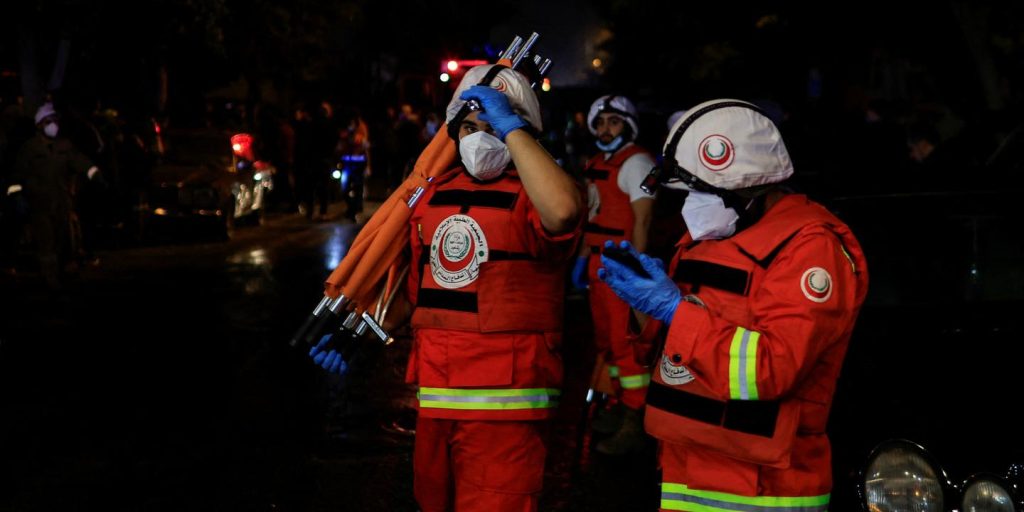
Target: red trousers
x=735, y=484
x=611, y=325
x=466, y=466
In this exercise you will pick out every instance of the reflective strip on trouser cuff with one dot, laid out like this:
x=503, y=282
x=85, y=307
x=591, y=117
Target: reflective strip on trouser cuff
x=613, y=371
x=680, y=497
x=743, y=365
x=488, y=399
x=635, y=381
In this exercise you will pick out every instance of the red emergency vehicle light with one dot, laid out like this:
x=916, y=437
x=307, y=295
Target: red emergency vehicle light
x=241, y=145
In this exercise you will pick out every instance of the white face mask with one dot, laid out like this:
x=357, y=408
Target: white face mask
x=50, y=129
x=484, y=155
x=707, y=217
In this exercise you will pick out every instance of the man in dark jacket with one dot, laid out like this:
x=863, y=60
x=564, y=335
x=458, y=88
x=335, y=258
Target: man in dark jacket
x=43, y=172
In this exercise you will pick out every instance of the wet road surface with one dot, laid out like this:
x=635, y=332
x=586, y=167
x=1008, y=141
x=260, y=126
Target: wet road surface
x=162, y=380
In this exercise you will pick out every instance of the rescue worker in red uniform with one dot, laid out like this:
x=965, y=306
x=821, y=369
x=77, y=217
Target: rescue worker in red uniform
x=618, y=210
x=491, y=245
x=754, y=321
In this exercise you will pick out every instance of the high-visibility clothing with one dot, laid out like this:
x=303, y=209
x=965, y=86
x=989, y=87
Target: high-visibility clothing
x=614, y=218
x=611, y=326
x=490, y=465
x=613, y=221
x=488, y=288
x=741, y=391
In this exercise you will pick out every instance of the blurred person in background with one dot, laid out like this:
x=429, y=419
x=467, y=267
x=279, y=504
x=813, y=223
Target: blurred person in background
x=618, y=210
x=45, y=168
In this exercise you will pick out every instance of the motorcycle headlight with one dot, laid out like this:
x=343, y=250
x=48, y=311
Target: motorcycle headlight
x=985, y=493
x=901, y=476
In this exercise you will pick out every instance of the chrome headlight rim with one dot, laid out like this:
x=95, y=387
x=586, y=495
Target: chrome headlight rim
x=950, y=491
x=1003, y=482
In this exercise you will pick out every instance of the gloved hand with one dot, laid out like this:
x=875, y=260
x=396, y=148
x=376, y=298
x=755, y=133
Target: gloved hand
x=579, y=273
x=497, y=110
x=328, y=359
x=15, y=203
x=657, y=296
x=96, y=177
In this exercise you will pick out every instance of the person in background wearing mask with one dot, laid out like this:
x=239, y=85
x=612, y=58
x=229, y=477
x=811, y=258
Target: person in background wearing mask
x=491, y=243
x=618, y=209
x=753, y=323
x=44, y=169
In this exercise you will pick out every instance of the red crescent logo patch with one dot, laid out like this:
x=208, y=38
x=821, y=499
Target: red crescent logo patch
x=456, y=246
x=816, y=283
x=457, y=249
x=499, y=84
x=716, y=152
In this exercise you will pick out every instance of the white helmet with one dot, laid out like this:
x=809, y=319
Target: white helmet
x=725, y=144
x=512, y=83
x=45, y=111
x=614, y=105
x=676, y=116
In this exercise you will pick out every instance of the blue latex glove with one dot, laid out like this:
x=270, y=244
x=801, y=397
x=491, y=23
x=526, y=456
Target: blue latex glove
x=497, y=110
x=657, y=296
x=328, y=359
x=579, y=273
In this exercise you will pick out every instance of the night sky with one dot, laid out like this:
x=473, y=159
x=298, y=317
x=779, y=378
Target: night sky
x=962, y=56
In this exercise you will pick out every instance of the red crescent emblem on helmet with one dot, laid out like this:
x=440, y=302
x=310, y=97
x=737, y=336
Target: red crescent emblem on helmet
x=716, y=152
x=499, y=84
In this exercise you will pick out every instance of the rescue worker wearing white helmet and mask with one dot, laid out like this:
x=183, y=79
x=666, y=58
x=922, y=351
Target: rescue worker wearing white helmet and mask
x=491, y=242
x=618, y=210
x=44, y=171
x=752, y=320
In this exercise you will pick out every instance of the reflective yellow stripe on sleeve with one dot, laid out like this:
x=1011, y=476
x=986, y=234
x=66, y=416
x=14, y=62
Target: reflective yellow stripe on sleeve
x=743, y=364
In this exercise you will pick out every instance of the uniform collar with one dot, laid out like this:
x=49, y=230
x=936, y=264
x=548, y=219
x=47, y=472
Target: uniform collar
x=773, y=228
x=770, y=231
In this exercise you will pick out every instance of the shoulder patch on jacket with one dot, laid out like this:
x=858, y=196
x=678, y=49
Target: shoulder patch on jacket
x=816, y=284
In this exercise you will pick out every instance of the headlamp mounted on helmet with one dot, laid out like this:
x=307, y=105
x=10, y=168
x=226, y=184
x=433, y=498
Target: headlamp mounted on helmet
x=606, y=107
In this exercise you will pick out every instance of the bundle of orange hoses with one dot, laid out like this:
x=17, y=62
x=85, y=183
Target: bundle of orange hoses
x=358, y=287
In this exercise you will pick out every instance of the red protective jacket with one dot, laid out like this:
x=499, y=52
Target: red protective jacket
x=746, y=376
x=488, y=292
x=614, y=218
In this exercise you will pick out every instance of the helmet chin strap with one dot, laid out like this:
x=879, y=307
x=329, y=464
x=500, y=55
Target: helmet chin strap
x=750, y=209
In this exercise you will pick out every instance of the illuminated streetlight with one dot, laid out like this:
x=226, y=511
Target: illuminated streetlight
x=596, y=63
